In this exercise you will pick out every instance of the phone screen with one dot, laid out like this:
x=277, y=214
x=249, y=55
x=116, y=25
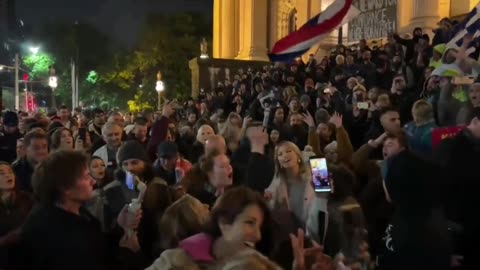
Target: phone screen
x=130, y=181
x=82, y=133
x=362, y=105
x=320, y=176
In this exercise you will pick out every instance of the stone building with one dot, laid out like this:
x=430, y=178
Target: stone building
x=248, y=29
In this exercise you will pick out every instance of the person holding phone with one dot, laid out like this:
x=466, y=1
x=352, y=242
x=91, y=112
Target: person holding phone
x=136, y=170
x=292, y=189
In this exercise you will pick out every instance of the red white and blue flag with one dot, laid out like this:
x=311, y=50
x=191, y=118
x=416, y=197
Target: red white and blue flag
x=317, y=28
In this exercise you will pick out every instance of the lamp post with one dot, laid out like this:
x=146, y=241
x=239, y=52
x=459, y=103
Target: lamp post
x=160, y=87
x=53, y=83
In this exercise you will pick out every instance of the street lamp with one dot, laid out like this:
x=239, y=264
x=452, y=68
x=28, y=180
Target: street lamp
x=34, y=50
x=160, y=87
x=53, y=83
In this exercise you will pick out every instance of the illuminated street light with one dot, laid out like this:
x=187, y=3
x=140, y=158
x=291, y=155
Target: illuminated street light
x=160, y=87
x=53, y=83
x=34, y=50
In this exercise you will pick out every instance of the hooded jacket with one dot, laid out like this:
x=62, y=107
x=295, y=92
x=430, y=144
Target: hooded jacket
x=417, y=237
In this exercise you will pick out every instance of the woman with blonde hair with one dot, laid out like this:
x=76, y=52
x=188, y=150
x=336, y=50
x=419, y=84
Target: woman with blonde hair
x=419, y=130
x=184, y=218
x=290, y=187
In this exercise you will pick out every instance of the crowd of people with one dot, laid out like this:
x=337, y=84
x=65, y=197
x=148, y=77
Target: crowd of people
x=224, y=181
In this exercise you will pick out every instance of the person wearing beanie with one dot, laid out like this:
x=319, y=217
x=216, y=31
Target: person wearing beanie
x=131, y=157
x=166, y=162
x=8, y=137
x=134, y=167
x=418, y=235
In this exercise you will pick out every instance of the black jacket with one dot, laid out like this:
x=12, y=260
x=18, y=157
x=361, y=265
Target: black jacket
x=460, y=157
x=417, y=237
x=23, y=172
x=55, y=239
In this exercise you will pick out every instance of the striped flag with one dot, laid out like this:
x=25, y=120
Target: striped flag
x=471, y=25
x=299, y=42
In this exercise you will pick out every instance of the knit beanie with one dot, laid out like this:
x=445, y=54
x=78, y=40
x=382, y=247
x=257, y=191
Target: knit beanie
x=131, y=150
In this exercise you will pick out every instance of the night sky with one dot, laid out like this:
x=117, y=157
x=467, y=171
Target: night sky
x=121, y=18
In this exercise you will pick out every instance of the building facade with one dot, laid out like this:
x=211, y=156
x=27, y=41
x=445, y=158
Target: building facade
x=248, y=29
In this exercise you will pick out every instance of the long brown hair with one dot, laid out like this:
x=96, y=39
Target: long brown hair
x=197, y=177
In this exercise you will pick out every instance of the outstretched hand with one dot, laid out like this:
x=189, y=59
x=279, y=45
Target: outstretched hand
x=308, y=119
x=337, y=120
x=322, y=262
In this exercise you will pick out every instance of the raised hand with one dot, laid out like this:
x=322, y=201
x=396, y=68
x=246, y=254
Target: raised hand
x=337, y=120
x=308, y=119
x=246, y=121
x=378, y=141
x=322, y=262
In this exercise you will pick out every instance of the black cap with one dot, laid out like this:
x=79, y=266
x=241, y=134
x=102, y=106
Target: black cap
x=167, y=150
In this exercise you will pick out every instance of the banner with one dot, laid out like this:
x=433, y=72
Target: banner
x=376, y=20
x=440, y=134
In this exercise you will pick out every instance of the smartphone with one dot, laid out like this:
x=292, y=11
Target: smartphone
x=130, y=181
x=320, y=175
x=82, y=133
x=363, y=105
x=465, y=80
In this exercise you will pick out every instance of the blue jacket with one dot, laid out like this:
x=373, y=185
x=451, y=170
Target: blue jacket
x=420, y=137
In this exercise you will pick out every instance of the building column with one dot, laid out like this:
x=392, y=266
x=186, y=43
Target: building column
x=253, y=30
x=217, y=37
x=224, y=29
x=426, y=14
x=227, y=29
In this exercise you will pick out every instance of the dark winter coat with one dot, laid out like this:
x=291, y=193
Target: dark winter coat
x=55, y=239
x=417, y=237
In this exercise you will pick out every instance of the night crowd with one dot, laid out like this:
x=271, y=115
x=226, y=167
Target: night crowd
x=224, y=181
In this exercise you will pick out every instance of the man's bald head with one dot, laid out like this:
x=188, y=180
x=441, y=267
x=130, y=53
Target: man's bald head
x=215, y=142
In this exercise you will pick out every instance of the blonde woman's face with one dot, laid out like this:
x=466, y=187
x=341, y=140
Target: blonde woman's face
x=287, y=158
x=204, y=133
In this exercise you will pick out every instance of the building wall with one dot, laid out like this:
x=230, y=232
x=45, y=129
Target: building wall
x=247, y=29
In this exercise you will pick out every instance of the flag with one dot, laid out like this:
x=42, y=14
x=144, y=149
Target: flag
x=471, y=25
x=299, y=42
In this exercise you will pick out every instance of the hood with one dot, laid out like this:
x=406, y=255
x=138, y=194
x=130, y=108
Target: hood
x=411, y=183
x=199, y=247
